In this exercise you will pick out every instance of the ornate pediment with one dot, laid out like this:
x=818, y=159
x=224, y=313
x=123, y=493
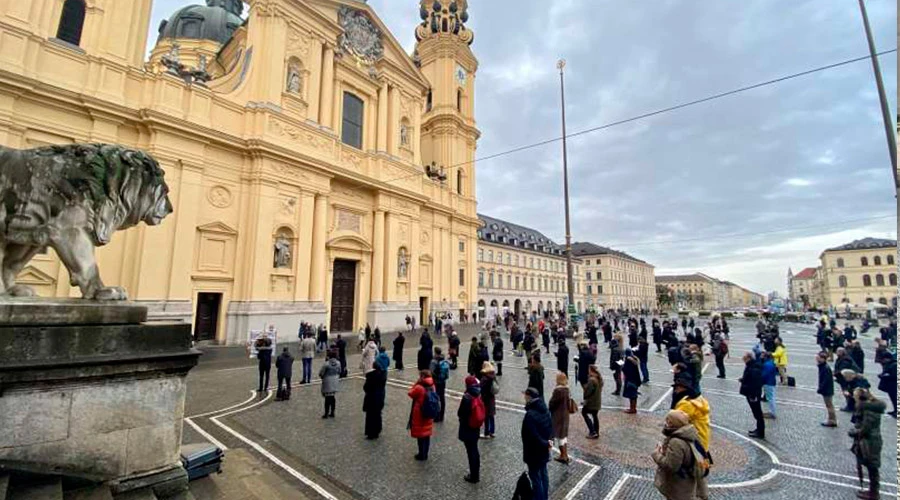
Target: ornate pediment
x=217, y=227
x=361, y=39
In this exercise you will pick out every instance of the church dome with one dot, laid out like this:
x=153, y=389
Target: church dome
x=217, y=21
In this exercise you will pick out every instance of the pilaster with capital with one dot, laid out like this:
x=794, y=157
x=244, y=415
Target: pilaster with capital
x=305, y=245
x=320, y=235
x=383, y=117
x=378, y=256
x=327, y=100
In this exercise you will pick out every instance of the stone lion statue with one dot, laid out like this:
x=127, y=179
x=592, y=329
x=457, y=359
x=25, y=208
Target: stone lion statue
x=72, y=198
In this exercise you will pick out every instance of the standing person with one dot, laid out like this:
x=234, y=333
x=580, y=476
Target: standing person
x=769, y=372
x=283, y=368
x=471, y=414
x=867, y=440
x=307, y=353
x=857, y=355
x=321, y=338
x=377, y=335
x=887, y=379
x=361, y=336
x=559, y=413
x=720, y=350
x=330, y=374
x=545, y=339
x=562, y=358
x=695, y=363
x=844, y=362
x=426, y=346
x=341, y=345
x=826, y=388
x=440, y=372
x=780, y=357
x=616, y=362
x=421, y=424
x=585, y=359
x=368, y=356
x=453, y=349
x=643, y=354
x=592, y=399
x=399, y=342
x=373, y=401
x=657, y=335
x=474, y=363
x=676, y=477
x=497, y=343
x=694, y=405
x=632, y=374
x=537, y=430
x=490, y=387
x=751, y=388
x=536, y=374
x=263, y=347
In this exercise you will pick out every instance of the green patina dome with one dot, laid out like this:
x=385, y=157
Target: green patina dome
x=217, y=21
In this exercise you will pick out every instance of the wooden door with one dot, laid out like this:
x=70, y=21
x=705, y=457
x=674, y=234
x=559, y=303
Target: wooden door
x=343, y=296
x=207, y=321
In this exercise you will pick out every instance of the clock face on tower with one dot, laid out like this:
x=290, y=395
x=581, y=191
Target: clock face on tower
x=461, y=75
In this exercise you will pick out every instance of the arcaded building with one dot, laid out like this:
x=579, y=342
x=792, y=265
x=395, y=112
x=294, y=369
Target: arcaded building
x=318, y=171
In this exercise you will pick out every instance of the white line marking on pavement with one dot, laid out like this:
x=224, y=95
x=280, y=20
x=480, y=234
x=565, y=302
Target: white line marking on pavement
x=833, y=483
x=236, y=369
x=206, y=435
x=750, y=482
x=825, y=472
x=577, y=489
x=262, y=451
x=618, y=486
x=252, y=395
x=772, y=456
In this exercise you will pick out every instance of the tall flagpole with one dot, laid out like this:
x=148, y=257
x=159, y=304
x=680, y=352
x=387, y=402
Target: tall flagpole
x=569, y=278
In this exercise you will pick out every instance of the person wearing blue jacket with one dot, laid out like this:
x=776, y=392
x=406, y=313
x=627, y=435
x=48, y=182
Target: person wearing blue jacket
x=537, y=431
x=769, y=380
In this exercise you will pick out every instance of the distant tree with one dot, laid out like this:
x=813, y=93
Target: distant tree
x=664, y=297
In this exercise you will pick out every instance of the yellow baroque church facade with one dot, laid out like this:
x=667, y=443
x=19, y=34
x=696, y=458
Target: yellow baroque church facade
x=318, y=172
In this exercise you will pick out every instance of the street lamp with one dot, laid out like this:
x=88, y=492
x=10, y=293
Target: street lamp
x=561, y=65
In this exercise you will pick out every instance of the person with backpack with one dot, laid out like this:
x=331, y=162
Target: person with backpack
x=560, y=406
x=537, y=432
x=440, y=372
x=399, y=342
x=330, y=373
x=283, y=368
x=373, y=401
x=497, y=344
x=490, y=387
x=471, y=414
x=425, y=408
x=678, y=471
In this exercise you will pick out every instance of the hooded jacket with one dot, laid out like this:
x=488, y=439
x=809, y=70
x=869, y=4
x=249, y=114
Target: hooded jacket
x=330, y=373
x=537, y=430
x=467, y=433
x=676, y=456
x=419, y=426
x=867, y=432
x=697, y=410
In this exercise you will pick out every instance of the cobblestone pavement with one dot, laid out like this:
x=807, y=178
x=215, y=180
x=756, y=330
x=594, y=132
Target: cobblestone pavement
x=331, y=459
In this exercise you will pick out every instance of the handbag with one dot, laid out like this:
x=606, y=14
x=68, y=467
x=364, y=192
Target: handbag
x=573, y=406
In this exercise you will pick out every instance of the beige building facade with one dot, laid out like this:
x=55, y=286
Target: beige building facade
x=859, y=273
x=294, y=138
x=521, y=271
x=615, y=280
x=801, y=287
x=700, y=292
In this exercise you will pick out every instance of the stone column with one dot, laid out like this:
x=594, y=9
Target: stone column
x=327, y=99
x=318, y=270
x=305, y=245
x=314, y=93
x=378, y=258
x=383, y=117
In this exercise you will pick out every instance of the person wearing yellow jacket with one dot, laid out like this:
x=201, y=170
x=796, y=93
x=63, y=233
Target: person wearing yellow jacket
x=696, y=407
x=780, y=357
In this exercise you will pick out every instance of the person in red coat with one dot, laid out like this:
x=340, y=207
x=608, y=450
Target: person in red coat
x=420, y=427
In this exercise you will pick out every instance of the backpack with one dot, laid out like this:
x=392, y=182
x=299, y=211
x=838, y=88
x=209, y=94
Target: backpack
x=701, y=461
x=478, y=414
x=723, y=347
x=495, y=387
x=443, y=372
x=431, y=406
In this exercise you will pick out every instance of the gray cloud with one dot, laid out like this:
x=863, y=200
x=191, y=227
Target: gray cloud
x=736, y=165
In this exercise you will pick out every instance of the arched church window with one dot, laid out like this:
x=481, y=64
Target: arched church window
x=71, y=22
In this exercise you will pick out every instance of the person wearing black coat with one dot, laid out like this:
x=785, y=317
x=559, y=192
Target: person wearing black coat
x=751, y=388
x=826, y=389
x=887, y=380
x=398, y=351
x=528, y=343
x=283, y=369
x=341, y=345
x=607, y=332
x=615, y=355
x=643, y=355
x=498, y=352
x=841, y=363
x=467, y=434
x=632, y=337
x=859, y=357
x=537, y=431
x=585, y=360
x=373, y=401
x=592, y=335
x=545, y=339
x=453, y=350
x=426, y=346
x=263, y=347
x=562, y=358
x=475, y=361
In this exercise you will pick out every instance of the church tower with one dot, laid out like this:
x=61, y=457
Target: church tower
x=444, y=55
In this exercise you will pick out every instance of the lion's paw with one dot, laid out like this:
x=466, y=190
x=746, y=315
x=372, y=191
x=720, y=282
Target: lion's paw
x=111, y=293
x=20, y=291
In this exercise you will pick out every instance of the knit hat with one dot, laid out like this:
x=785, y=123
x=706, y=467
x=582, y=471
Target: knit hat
x=676, y=419
x=471, y=380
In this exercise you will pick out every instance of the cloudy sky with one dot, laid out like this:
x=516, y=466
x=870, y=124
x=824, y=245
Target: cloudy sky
x=739, y=188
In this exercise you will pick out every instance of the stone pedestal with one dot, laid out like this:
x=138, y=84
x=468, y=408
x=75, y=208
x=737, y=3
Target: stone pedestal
x=92, y=390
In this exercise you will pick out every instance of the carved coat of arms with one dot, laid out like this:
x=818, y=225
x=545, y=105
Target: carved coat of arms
x=361, y=38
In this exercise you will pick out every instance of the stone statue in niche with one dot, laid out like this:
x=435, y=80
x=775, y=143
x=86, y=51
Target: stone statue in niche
x=294, y=80
x=72, y=198
x=282, y=252
x=404, y=134
x=402, y=263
